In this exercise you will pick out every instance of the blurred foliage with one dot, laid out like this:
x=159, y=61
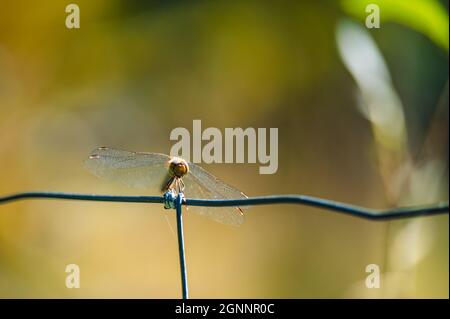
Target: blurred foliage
x=429, y=17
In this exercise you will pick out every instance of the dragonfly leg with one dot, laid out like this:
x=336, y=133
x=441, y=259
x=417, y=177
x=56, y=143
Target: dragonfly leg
x=169, y=185
x=182, y=186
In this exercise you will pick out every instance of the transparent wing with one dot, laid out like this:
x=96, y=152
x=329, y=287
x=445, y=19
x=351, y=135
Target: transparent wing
x=134, y=169
x=201, y=184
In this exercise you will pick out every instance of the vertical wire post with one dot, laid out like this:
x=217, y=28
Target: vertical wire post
x=184, y=284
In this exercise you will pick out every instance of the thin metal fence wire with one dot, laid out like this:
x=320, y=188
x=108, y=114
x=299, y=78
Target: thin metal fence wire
x=357, y=211
x=179, y=201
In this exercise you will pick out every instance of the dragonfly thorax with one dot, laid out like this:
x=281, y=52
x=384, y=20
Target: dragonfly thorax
x=178, y=167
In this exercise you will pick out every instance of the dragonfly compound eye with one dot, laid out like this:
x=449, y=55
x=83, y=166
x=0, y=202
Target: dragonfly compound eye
x=178, y=167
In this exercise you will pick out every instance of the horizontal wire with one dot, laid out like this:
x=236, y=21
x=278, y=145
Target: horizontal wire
x=86, y=197
x=357, y=211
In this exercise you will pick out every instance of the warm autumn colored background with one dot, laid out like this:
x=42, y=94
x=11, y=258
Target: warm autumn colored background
x=362, y=117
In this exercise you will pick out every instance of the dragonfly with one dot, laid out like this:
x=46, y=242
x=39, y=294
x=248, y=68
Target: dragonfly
x=162, y=173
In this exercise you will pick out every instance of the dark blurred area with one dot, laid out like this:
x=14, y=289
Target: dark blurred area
x=362, y=116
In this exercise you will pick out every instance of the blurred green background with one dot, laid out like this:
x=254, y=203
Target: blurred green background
x=362, y=117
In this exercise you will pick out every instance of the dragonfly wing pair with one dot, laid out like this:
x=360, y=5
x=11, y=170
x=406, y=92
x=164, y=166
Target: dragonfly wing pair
x=151, y=171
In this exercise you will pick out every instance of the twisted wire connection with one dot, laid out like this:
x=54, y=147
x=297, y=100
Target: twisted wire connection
x=357, y=211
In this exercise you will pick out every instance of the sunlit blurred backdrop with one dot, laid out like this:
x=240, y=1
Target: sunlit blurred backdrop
x=362, y=117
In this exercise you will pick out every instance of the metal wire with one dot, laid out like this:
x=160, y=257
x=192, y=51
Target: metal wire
x=367, y=213
x=184, y=284
x=357, y=211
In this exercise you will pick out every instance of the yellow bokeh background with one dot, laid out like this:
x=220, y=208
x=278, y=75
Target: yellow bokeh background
x=135, y=70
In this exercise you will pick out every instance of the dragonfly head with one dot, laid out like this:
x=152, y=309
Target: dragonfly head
x=178, y=167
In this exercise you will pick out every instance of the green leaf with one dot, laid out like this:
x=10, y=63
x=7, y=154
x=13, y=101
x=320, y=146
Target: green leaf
x=426, y=16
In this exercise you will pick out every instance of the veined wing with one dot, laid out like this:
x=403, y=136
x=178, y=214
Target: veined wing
x=202, y=184
x=135, y=169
